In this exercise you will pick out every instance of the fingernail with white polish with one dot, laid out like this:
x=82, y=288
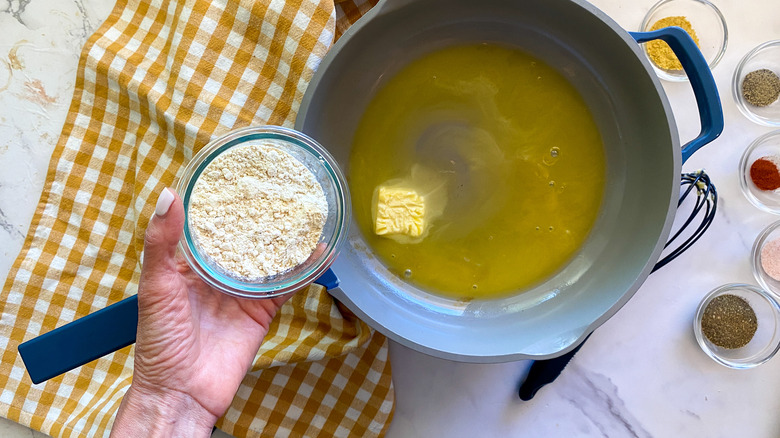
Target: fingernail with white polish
x=164, y=202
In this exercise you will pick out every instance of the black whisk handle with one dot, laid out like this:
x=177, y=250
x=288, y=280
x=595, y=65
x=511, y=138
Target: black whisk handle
x=546, y=371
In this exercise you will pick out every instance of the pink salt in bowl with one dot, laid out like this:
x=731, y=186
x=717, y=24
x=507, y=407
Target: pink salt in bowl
x=766, y=258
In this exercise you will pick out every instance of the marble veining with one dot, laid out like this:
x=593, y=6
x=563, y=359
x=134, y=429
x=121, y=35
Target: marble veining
x=81, y=14
x=7, y=227
x=16, y=9
x=598, y=399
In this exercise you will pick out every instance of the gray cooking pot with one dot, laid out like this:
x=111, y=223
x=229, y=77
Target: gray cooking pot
x=644, y=160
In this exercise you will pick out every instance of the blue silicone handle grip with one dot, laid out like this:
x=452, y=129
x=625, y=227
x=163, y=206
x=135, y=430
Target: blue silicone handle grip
x=93, y=337
x=702, y=82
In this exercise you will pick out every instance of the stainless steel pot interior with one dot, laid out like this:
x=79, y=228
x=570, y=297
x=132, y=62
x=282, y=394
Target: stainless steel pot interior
x=643, y=161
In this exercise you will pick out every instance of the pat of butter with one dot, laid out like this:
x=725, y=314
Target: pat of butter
x=399, y=211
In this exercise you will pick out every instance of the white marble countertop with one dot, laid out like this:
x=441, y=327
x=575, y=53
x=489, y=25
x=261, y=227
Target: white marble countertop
x=640, y=375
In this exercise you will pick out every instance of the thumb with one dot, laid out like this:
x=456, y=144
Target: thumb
x=163, y=232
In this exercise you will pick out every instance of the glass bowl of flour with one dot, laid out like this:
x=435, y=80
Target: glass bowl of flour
x=267, y=209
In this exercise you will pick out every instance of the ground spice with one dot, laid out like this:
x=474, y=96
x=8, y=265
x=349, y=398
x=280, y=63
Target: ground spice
x=761, y=87
x=765, y=174
x=770, y=258
x=729, y=321
x=660, y=52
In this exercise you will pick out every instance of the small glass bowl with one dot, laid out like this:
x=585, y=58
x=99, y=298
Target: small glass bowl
x=768, y=145
x=326, y=172
x=769, y=238
x=706, y=20
x=766, y=55
x=766, y=340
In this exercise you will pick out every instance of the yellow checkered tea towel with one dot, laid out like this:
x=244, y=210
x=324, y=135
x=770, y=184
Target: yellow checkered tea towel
x=156, y=82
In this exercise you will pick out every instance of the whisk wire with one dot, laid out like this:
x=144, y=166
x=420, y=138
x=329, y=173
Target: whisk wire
x=706, y=200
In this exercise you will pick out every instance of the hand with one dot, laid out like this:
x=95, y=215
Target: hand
x=194, y=343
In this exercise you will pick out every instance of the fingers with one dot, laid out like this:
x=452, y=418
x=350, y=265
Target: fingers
x=163, y=233
x=318, y=250
x=164, y=202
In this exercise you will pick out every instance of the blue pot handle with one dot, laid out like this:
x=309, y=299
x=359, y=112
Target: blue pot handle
x=93, y=337
x=704, y=88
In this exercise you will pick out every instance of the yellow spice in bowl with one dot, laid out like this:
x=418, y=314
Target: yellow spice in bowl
x=660, y=52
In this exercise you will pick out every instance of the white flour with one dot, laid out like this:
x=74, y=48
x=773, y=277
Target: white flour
x=257, y=211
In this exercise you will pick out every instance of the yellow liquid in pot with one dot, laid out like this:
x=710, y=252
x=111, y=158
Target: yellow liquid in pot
x=518, y=164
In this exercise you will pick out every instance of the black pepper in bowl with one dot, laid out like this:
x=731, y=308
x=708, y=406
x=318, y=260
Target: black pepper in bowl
x=729, y=321
x=761, y=87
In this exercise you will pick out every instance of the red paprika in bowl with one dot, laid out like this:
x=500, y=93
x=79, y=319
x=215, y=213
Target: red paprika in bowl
x=765, y=174
x=759, y=171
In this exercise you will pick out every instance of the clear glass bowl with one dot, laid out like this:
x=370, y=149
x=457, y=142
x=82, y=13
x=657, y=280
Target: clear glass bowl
x=766, y=340
x=708, y=23
x=768, y=145
x=327, y=173
x=765, y=268
x=766, y=55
